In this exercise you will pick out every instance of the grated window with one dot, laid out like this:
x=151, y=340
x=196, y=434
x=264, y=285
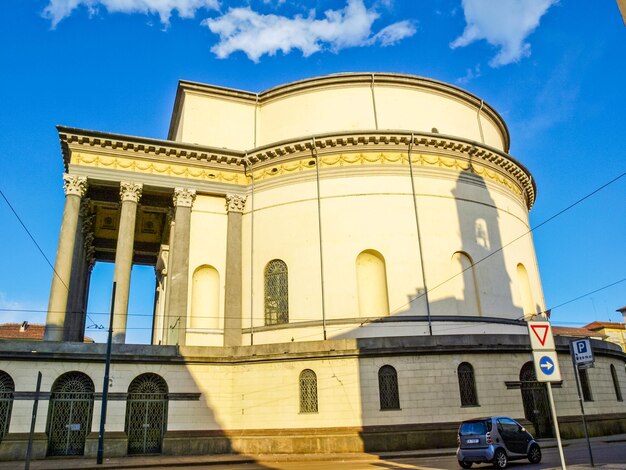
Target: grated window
x=388, y=388
x=618, y=391
x=276, y=293
x=308, y=391
x=467, y=385
x=7, y=387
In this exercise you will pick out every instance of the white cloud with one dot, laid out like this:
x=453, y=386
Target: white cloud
x=56, y=10
x=504, y=24
x=470, y=74
x=255, y=34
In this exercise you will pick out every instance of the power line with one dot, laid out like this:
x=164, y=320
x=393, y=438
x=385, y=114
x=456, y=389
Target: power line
x=549, y=219
x=37, y=245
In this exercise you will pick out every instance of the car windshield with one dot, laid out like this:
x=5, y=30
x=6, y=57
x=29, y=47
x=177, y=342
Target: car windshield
x=474, y=427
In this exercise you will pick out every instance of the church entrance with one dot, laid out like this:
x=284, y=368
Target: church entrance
x=146, y=414
x=69, y=414
x=536, y=403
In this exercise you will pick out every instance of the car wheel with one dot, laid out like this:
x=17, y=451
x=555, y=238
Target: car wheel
x=499, y=459
x=465, y=464
x=534, y=454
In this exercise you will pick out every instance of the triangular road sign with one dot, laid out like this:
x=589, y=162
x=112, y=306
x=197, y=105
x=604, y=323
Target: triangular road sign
x=541, y=331
x=541, y=335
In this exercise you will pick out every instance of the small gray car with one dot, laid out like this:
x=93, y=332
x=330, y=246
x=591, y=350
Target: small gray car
x=497, y=439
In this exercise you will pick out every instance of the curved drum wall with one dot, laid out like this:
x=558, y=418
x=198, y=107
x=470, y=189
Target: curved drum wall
x=369, y=207
x=387, y=106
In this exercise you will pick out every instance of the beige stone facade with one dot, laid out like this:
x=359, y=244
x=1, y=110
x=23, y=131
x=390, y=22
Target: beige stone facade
x=330, y=277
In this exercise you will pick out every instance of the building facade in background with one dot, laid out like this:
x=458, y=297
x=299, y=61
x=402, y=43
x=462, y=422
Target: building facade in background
x=334, y=272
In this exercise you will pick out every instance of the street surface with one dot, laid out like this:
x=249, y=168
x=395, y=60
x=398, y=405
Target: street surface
x=606, y=455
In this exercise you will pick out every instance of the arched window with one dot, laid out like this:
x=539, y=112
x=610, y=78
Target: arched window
x=276, y=293
x=585, y=385
x=205, y=298
x=69, y=414
x=308, y=391
x=466, y=285
x=467, y=384
x=146, y=414
x=618, y=390
x=371, y=275
x=388, y=388
x=7, y=387
x=528, y=305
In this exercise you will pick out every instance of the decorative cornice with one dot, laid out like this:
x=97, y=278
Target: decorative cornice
x=227, y=166
x=184, y=197
x=235, y=203
x=73, y=139
x=130, y=191
x=74, y=185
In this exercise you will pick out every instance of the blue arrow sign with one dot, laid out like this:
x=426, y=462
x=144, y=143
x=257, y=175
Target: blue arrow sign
x=547, y=365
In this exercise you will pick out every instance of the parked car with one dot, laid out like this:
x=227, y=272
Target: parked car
x=497, y=439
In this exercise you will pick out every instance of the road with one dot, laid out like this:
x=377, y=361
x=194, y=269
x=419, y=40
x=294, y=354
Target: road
x=612, y=454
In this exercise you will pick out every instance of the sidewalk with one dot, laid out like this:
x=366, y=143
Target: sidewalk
x=225, y=459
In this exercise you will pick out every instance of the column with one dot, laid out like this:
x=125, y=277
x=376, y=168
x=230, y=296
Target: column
x=75, y=187
x=233, y=279
x=81, y=273
x=130, y=193
x=179, y=267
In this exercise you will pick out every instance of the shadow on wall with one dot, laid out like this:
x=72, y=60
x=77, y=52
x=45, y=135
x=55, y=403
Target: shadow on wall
x=435, y=389
x=154, y=406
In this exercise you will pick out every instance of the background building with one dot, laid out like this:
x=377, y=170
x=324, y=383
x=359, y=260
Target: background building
x=330, y=276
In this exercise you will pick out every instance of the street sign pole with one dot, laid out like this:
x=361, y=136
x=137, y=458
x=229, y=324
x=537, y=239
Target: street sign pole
x=580, y=399
x=556, y=425
x=546, y=368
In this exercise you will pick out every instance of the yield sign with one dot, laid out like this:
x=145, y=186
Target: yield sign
x=541, y=336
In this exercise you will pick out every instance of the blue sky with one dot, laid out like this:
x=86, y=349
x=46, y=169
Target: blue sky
x=553, y=69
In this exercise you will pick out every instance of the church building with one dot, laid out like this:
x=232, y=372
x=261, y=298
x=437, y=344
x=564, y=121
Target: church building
x=342, y=264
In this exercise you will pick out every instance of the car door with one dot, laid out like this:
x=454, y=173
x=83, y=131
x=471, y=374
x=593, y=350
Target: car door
x=511, y=433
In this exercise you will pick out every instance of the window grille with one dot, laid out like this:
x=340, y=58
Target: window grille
x=388, y=388
x=308, y=391
x=276, y=293
x=618, y=391
x=467, y=385
x=585, y=385
x=7, y=387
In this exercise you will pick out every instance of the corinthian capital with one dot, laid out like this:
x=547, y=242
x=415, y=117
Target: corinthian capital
x=130, y=191
x=74, y=185
x=184, y=197
x=235, y=203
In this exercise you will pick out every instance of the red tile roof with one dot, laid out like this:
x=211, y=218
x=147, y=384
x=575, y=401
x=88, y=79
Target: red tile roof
x=598, y=325
x=21, y=331
x=27, y=331
x=576, y=332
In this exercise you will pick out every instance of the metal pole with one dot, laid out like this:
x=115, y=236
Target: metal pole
x=319, y=229
x=105, y=385
x=419, y=236
x=580, y=399
x=556, y=426
x=33, y=420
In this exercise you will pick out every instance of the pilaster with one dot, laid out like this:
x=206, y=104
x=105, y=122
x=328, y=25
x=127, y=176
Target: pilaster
x=233, y=292
x=179, y=267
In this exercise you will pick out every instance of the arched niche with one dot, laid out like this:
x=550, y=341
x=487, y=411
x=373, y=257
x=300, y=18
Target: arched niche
x=371, y=275
x=205, y=298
